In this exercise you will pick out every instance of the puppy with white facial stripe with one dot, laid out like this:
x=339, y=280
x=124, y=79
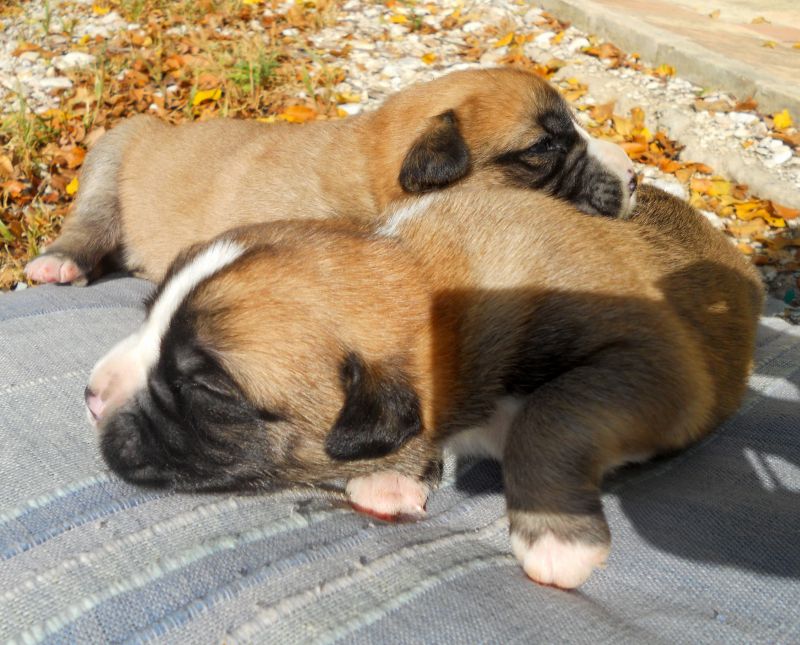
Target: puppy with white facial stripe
x=149, y=190
x=323, y=351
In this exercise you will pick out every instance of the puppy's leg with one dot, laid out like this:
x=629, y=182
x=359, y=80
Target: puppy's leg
x=627, y=403
x=93, y=230
x=390, y=495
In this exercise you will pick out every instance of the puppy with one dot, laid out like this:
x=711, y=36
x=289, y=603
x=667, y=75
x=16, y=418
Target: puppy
x=149, y=189
x=309, y=351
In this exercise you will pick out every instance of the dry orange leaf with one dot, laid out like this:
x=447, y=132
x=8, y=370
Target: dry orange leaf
x=602, y=113
x=6, y=167
x=747, y=229
x=298, y=114
x=429, y=58
x=99, y=10
x=759, y=20
x=785, y=212
x=398, y=19
x=13, y=188
x=714, y=14
x=664, y=70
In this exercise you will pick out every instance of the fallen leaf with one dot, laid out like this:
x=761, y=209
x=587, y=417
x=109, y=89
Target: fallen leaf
x=748, y=105
x=429, y=58
x=72, y=187
x=769, y=44
x=6, y=167
x=26, y=47
x=298, y=114
x=505, y=40
x=746, y=229
x=664, y=70
x=760, y=20
x=602, y=113
x=782, y=120
x=12, y=188
x=99, y=10
x=714, y=14
x=206, y=95
x=398, y=19
x=784, y=211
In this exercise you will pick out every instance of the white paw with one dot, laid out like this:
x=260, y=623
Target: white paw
x=552, y=561
x=388, y=495
x=53, y=268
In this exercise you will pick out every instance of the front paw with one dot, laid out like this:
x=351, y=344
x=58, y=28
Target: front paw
x=563, y=558
x=388, y=495
x=55, y=268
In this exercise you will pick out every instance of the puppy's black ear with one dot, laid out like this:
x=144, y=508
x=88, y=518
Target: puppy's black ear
x=437, y=158
x=380, y=413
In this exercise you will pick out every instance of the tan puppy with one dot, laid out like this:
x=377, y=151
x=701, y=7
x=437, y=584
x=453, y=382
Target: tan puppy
x=148, y=190
x=303, y=352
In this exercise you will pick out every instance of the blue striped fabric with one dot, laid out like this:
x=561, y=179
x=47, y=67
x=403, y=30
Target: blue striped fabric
x=705, y=543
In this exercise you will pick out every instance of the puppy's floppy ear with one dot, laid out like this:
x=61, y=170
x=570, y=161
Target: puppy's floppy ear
x=380, y=412
x=437, y=158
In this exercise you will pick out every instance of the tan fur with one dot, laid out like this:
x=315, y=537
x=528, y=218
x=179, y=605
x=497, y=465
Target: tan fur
x=617, y=340
x=149, y=189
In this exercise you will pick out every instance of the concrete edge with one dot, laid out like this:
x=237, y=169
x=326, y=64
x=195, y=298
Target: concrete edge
x=692, y=61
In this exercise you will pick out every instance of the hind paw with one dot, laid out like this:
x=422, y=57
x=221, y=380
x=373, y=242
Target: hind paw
x=55, y=268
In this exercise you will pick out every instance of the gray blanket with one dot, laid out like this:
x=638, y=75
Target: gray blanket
x=706, y=544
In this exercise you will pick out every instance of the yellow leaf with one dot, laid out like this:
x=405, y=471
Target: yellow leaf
x=84, y=39
x=770, y=44
x=72, y=187
x=557, y=38
x=297, y=114
x=759, y=20
x=267, y=119
x=252, y=2
x=429, y=58
x=206, y=95
x=505, y=40
x=714, y=14
x=665, y=70
x=782, y=120
x=99, y=10
x=796, y=46
x=398, y=19
x=348, y=97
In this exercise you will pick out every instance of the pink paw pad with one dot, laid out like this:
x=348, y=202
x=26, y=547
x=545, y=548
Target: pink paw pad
x=388, y=495
x=556, y=562
x=52, y=268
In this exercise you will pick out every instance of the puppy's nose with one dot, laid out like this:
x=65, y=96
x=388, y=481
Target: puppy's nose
x=93, y=403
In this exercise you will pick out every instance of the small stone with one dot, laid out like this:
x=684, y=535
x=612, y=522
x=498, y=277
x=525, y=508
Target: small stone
x=778, y=158
x=543, y=40
x=743, y=117
x=671, y=187
x=55, y=83
x=472, y=27
x=715, y=220
x=577, y=45
x=73, y=60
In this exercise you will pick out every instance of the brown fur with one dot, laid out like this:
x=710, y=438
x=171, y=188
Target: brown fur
x=615, y=339
x=149, y=189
